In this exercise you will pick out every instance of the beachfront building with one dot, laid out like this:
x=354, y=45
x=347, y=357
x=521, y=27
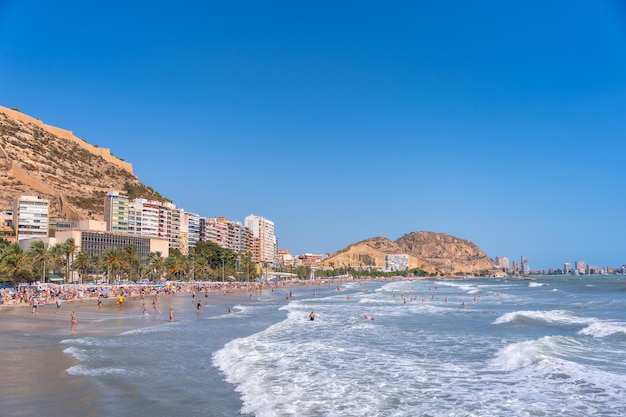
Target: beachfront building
x=143, y=217
x=116, y=212
x=30, y=217
x=193, y=228
x=6, y=226
x=183, y=233
x=208, y=231
x=228, y=234
x=95, y=242
x=396, y=262
x=265, y=249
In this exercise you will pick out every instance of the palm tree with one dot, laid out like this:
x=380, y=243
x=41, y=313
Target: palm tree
x=68, y=248
x=131, y=258
x=83, y=262
x=57, y=258
x=155, y=265
x=15, y=263
x=112, y=259
x=175, y=264
x=39, y=252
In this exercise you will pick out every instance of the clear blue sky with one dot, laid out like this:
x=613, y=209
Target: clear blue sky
x=499, y=122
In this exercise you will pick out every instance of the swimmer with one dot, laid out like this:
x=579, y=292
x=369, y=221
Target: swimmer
x=199, y=307
x=368, y=317
x=312, y=316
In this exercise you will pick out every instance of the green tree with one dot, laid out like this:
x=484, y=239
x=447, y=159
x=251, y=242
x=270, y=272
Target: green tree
x=15, y=264
x=39, y=253
x=68, y=248
x=112, y=260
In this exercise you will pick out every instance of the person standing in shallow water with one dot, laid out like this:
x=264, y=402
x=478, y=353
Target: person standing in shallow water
x=171, y=313
x=73, y=322
x=312, y=315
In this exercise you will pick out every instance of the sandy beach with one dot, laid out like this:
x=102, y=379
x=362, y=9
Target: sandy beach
x=34, y=364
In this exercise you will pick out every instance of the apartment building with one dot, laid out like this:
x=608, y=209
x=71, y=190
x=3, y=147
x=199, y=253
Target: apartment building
x=116, y=212
x=30, y=217
x=266, y=244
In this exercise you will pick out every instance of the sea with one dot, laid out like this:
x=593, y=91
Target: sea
x=545, y=346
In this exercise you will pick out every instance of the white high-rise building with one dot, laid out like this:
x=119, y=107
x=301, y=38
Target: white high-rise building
x=30, y=217
x=263, y=231
x=193, y=226
x=143, y=217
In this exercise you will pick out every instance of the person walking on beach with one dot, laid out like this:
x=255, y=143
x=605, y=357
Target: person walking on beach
x=74, y=322
x=155, y=306
x=120, y=301
x=58, y=305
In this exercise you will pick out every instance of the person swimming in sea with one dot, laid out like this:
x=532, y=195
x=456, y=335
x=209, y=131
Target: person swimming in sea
x=368, y=317
x=312, y=315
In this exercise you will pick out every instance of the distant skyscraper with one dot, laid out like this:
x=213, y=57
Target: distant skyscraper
x=580, y=267
x=525, y=266
x=502, y=262
x=567, y=268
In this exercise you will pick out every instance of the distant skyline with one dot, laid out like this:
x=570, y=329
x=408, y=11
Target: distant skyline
x=500, y=123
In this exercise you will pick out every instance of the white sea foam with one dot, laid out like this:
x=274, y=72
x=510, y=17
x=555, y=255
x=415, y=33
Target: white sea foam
x=604, y=329
x=166, y=327
x=533, y=352
x=552, y=316
x=536, y=284
x=84, y=370
x=83, y=341
x=80, y=354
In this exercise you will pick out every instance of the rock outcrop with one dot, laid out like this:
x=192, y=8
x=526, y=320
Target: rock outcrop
x=49, y=162
x=431, y=252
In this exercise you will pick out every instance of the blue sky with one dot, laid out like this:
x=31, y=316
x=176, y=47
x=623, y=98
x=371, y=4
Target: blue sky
x=503, y=123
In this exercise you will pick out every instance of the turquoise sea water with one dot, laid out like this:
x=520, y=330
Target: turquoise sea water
x=540, y=347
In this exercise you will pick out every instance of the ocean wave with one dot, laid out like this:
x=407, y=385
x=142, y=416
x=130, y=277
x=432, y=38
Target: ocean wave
x=536, y=284
x=82, y=341
x=76, y=353
x=551, y=316
x=543, y=352
x=152, y=329
x=603, y=329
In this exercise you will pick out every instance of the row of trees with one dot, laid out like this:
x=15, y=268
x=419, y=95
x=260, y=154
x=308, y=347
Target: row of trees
x=207, y=261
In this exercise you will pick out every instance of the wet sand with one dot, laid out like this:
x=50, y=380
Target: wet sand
x=34, y=377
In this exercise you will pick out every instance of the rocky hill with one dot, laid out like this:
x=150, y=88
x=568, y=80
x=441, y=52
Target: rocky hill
x=52, y=163
x=432, y=252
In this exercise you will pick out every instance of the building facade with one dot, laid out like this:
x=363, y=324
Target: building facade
x=30, y=217
x=116, y=212
x=396, y=262
x=265, y=245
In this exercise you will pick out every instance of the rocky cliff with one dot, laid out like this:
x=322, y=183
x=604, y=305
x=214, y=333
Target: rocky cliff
x=49, y=162
x=432, y=252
